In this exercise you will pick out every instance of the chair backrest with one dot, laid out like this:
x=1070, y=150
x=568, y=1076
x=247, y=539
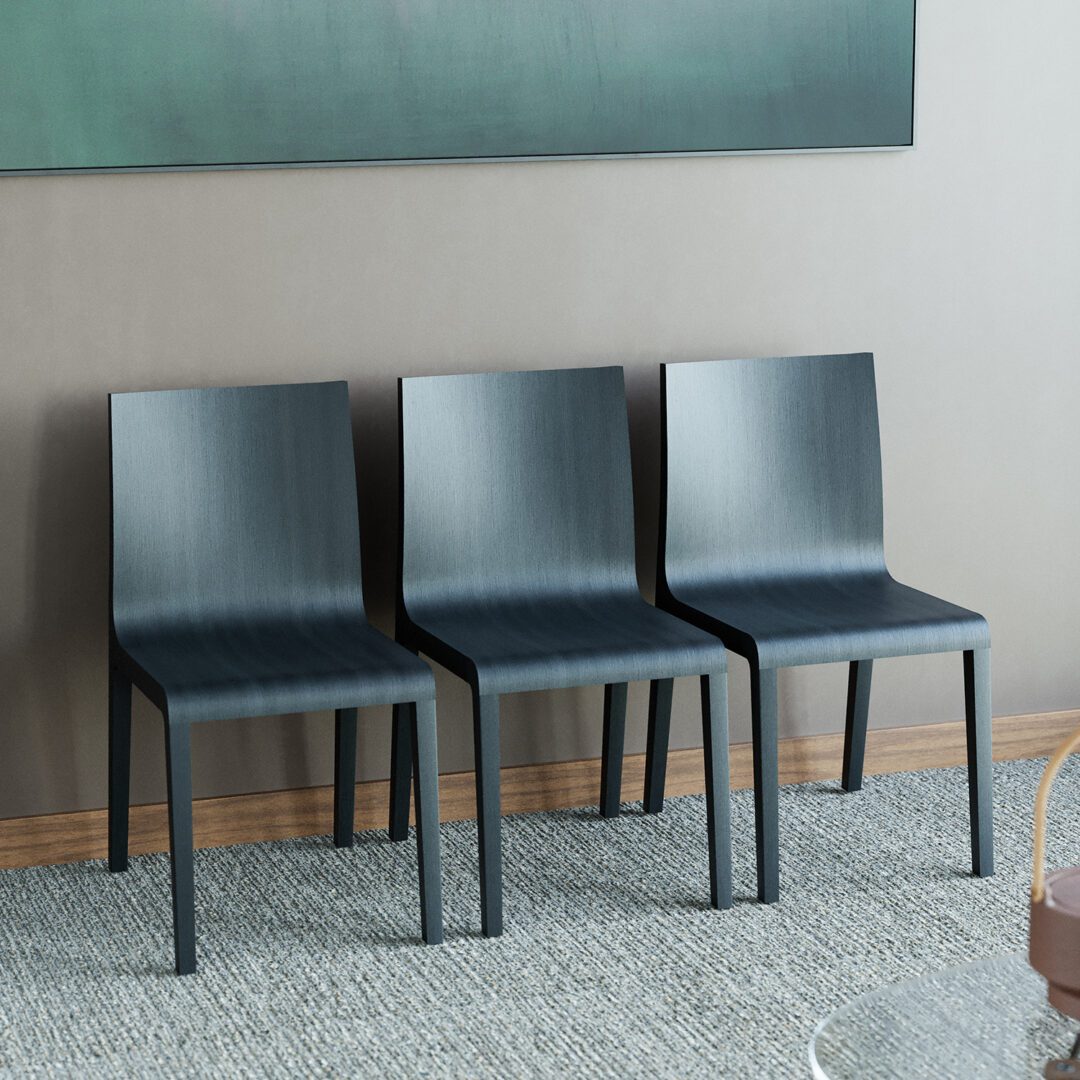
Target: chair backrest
x=514, y=485
x=232, y=505
x=772, y=469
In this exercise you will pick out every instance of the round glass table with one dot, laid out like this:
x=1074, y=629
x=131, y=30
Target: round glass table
x=986, y=1019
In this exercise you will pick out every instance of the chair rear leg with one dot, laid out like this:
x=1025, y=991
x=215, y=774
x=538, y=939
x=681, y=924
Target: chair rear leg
x=714, y=723
x=181, y=844
x=401, y=763
x=344, y=777
x=656, y=748
x=488, y=813
x=428, y=848
x=766, y=783
x=119, y=767
x=614, y=738
x=858, y=709
x=980, y=760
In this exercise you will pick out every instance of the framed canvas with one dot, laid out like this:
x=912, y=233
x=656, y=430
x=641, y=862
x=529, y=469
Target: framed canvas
x=104, y=85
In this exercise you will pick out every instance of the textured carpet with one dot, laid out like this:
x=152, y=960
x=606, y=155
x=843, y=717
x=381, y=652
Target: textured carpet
x=611, y=963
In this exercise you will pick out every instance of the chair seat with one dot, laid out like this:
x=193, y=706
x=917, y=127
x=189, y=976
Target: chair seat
x=225, y=672
x=825, y=619
x=542, y=644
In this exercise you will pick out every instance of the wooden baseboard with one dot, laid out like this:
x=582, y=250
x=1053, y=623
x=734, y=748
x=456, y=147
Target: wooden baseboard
x=275, y=815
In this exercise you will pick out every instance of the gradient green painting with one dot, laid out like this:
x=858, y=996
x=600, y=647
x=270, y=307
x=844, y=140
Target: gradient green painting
x=135, y=84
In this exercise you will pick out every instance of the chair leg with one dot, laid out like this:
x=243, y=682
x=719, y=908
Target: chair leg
x=612, y=761
x=714, y=723
x=766, y=783
x=119, y=767
x=181, y=844
x=980, y=760
x=401, y=763
x=858, y=709
x=428, y=854
x=486, y=746
x=344, y=777
x=656, y=748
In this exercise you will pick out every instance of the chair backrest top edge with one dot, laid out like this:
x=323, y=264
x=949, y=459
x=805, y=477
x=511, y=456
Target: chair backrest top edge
x=225, y=389
x=515, y=373
x=740, y=360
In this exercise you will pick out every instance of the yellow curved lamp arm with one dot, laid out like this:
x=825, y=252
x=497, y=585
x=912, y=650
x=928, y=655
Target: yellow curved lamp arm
x=1038, y=881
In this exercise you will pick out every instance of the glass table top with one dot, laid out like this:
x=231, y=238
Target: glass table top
x=986, y=1019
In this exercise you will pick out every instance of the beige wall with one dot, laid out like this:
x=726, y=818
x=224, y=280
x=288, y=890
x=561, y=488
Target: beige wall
x=958, y=264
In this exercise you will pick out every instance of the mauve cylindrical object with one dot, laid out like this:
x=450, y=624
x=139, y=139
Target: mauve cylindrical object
x=1054, y=949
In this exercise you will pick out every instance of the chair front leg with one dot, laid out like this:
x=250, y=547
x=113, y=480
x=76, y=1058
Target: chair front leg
x=488, y=812
x=714, y=724
x=980, y=760
x=181, y=843
x=428, y=848
x=614, y=739
x=119, y=767
x=401, y=763
x=656, y=747
x=858, y=710
x=766, y=782
x=344, y=777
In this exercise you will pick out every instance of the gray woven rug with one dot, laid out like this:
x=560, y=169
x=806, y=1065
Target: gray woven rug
x=611, y=963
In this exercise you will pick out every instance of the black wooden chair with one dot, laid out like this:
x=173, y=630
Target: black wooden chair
x=771, y=538
x=517, y=573
x=236, y=592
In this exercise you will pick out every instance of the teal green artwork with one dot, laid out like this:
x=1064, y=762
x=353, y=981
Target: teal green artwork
x=143, y=84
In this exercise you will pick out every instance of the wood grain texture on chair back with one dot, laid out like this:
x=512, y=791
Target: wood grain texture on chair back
x=232, y=505
x=513, y=485
x=772, y=469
